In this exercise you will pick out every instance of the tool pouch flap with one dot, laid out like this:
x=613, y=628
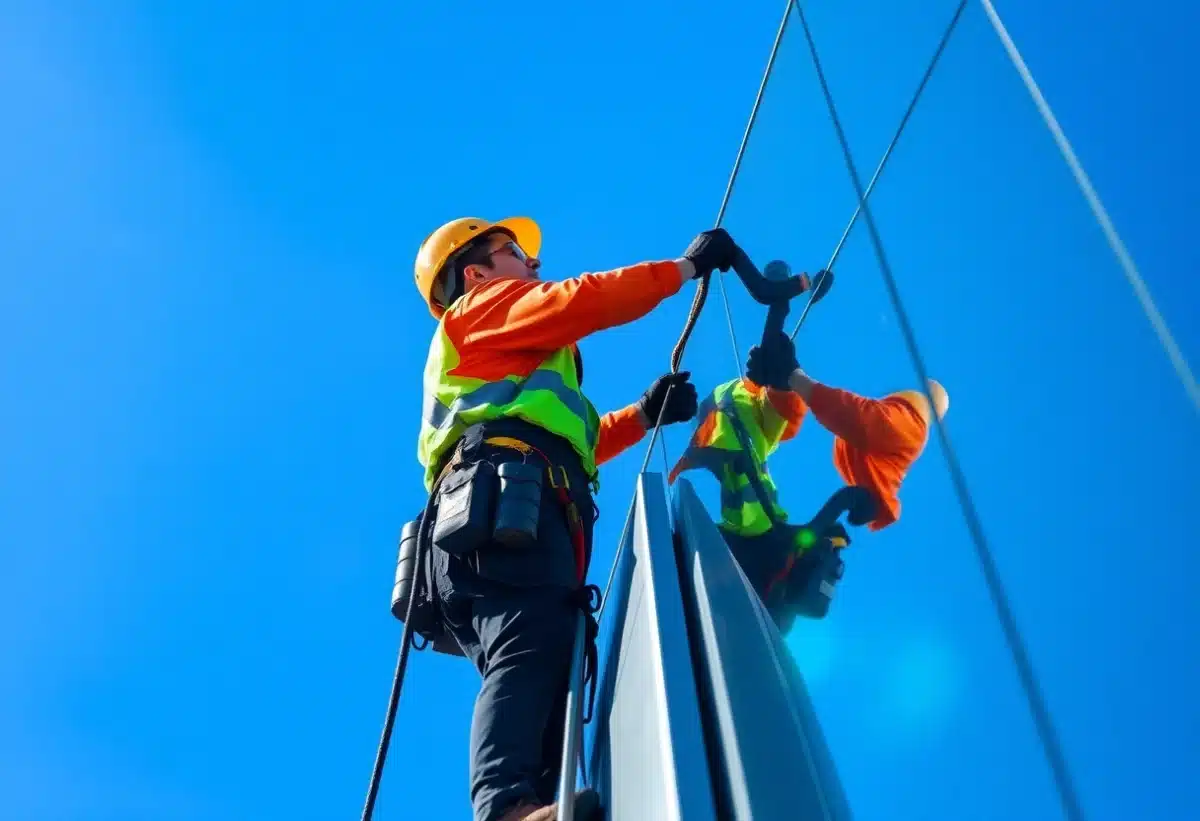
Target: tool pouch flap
x=465, y=502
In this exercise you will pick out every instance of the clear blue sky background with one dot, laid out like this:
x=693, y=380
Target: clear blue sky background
x=212, y=354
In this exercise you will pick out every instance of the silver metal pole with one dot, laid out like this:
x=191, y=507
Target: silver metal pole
x=572, y=726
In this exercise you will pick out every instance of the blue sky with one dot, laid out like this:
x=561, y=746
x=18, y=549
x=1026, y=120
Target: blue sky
x=212, y=359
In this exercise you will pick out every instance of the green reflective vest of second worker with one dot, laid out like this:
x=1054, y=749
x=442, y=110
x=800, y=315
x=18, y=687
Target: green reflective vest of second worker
x=767, y=417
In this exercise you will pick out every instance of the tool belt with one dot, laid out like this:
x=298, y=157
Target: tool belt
x=483, y=500
x=480, y=501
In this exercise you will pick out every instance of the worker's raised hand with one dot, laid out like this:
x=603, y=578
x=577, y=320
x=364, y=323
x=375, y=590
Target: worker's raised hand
x=711, y=251
x=676, y=392
x=771, y=364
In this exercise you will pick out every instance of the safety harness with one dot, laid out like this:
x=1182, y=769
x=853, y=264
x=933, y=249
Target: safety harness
x=585, y=597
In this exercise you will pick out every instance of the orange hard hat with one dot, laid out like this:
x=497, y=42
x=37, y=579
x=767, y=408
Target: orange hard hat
x=440, y=246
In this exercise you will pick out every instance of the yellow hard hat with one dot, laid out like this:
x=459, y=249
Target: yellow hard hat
x=442, y=244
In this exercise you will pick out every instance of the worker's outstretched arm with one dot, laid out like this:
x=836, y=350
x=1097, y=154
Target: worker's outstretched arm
x=876, y=425
x=624, y=428
x=525, y=315
x=882, y=426
x=619, y=431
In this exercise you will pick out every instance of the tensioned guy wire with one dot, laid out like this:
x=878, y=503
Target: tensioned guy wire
x=937, y=55
x=1165, y=338
x=1029, y=681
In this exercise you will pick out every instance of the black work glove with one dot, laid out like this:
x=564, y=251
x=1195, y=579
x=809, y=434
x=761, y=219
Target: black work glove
x=864, y=509
x=711, y=250
x=772, y=363
x=681, y=403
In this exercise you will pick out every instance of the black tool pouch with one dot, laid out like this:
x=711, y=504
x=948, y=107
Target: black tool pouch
x=465, y=504
x=425, y=622
x=519, y=504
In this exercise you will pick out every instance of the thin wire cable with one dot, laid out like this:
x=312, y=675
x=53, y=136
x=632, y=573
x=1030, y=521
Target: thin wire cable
x=662, y=445
x=702, y=290
x=733, y=174
x=1099, y=211
x=737, y=167
x=1041, y=714
x=937, y=55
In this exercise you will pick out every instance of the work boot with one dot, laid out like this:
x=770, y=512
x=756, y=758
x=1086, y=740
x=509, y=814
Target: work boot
x=587, y=808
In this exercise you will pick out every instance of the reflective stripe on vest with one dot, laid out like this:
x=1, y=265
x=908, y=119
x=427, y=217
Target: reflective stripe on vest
x=724, y=456
x=549, y=397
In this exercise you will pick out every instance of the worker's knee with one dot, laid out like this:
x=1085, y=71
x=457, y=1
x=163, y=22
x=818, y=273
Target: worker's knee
x=530, y=626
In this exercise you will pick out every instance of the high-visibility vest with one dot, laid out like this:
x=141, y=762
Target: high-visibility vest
x=549, y=397
x=718, y=448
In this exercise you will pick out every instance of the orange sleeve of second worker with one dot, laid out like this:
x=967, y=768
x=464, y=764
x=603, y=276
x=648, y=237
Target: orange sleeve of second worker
x=619, y=431
x=529, y=315
x=877, y=425
x=779, y=412
x=791, y=408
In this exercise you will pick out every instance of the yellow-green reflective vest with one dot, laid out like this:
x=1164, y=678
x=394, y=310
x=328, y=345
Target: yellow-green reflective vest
x=724, y=456
x=549, y=397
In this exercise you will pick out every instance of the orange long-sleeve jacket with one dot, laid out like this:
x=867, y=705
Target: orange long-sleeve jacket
x=509, y=326
x=877, y=441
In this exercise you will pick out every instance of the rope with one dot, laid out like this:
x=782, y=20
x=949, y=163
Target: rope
x=699, y=299
x=702, y=291
x=1041, y=715
x=1099, y=211
x=837, y=251
x=406, y=641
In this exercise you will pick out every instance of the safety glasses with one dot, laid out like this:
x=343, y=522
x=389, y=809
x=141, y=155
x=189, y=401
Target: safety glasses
x=512, y=249
x=445, y=291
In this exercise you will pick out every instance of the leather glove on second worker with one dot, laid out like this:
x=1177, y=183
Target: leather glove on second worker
x=710, y=251
x=771, y=364
x=679, y=395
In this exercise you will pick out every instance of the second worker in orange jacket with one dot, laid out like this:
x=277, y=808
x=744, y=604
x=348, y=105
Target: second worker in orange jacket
x=876, y=440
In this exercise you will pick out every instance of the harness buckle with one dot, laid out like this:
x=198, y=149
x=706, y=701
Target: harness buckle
x=566, y=482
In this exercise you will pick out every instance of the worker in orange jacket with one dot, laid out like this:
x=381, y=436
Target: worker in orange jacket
x=876, y=440
x=511, y=446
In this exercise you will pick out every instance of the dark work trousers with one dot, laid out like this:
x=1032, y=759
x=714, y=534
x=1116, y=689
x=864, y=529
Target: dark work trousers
x=512, y=613
x=762, y=558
